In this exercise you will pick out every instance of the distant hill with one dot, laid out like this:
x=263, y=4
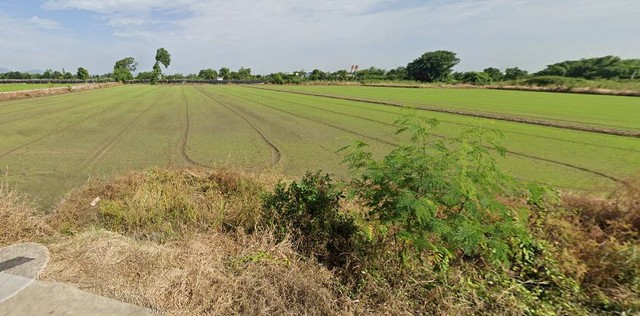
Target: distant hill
x=33, y=71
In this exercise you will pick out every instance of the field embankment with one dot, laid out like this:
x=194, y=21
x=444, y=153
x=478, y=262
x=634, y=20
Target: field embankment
x=602, y=87
x=25, y=91
x=562, y=89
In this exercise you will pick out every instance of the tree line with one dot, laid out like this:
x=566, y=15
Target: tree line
x=80, y=74
x=435, y=66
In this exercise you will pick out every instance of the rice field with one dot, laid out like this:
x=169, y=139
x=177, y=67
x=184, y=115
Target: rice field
x=10, y=87
x=52, y=144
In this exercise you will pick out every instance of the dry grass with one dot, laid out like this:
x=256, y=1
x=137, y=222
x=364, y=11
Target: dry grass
x=18, y=220
x=165, y=205
x=596, y=241
x=25, y=94
x=213, y=274
x=186, y=243
x=200, y=264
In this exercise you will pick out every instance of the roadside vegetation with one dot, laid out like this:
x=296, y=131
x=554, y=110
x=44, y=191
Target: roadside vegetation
x=431, y=227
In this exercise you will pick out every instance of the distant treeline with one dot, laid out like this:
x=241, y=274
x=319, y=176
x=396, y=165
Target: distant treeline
x=438, y=67
x=434, y=66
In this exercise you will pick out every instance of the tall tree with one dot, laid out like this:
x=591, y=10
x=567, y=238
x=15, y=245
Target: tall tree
x=208, y=74
x=317, y=74
x=515, y=73
x=82, y=74
x=225, y=73
x=162, y=57
x=244, y=74
x=432, y=66
x=494, y=73
x=399, y=73
x=123, y=68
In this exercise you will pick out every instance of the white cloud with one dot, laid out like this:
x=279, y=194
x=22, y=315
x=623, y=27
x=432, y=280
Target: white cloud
x=273, y=35
x=111, y=6
x=44, y=23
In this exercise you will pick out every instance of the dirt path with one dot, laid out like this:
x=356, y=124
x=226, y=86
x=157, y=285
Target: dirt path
x=509, y=152
x=276, y=154
x=25, y=94
x=508, y=118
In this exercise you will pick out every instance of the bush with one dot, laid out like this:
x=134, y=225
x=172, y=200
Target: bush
x=308, y=211
x=441, y=197
x=543, y=81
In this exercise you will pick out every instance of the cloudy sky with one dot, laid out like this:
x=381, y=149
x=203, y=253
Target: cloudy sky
x=287, y=35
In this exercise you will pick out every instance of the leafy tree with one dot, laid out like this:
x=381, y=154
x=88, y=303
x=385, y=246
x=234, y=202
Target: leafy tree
x=145, y=76
x=607, y=67
x=225, y=73
x=48, y=74
x=277, y=79
x=67, y=75
x=494, y=73
x=208, y=74
x=123, y=68
x=472, y=77
x=341, y=75
x=432, y=66
x=82, y=74
x=162, y=57
x=515, y=73
x=399, y=73
x=317, y=75
x=371, y=73
x=244, y=74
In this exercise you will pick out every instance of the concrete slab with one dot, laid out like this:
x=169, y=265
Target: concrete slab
x=22, y=294
x=57, y=299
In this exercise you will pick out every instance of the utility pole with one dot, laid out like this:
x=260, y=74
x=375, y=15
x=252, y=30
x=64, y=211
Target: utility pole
x=633, y=76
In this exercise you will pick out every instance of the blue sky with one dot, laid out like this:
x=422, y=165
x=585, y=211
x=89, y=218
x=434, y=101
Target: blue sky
x=287, y=35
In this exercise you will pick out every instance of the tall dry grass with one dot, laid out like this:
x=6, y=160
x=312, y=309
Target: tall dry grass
x=165, y=205
x=19, y=222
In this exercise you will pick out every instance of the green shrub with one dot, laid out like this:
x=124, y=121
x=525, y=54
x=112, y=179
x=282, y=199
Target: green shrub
x=543, y=81
x=308, y=211
x=441, y=196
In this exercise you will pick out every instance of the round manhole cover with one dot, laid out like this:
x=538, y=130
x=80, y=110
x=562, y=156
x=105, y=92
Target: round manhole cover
x=20, y=265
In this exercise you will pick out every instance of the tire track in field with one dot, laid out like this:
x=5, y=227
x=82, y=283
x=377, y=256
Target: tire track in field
x=514, y=153
x=53, y=111
x=184, y=141
x=508, y=118
x=462, y=124
x=316, y=121
x=107, y=145
x=276, y=154
x=60, y=130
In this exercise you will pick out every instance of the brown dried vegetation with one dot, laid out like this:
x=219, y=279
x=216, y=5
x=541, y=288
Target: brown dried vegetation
x=189, y=243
